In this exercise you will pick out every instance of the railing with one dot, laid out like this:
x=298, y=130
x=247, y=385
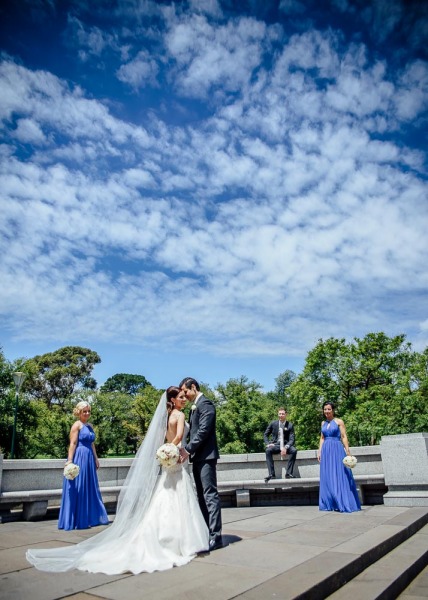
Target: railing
x=394, y=473
x=36, y=484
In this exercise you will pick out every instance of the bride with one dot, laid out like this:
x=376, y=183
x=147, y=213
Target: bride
x=158, y=522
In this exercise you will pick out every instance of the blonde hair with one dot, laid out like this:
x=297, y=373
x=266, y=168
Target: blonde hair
x=79, y=407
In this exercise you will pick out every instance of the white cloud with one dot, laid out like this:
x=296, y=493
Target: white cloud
x=221, y=56
x=139, y=71
x=209, y=7
x=275, y=219
x=28, y=131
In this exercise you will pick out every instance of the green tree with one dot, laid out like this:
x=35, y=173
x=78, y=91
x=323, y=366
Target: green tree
x=112, y=417
x=143, y=408
x=55, y=376
x=51, y=435
x=280, y=396
x=243, y=413
x=305, y=412
x=283, y=383
x=376, y=383
x=26, y=420
x=125, y=383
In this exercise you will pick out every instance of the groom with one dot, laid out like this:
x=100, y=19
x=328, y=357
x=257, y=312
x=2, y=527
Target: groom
x=203, y=451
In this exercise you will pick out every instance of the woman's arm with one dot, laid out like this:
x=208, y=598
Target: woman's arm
x=97, y=462
x=74, y=436
x=343, y=435
x=320, y=446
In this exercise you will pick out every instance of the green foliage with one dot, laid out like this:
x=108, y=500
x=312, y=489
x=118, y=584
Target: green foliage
x=25, y=416
x=378, y=383
x=111, y=417
x=282, y=386
x=305, y=412
x=55, y=376
x=125, y=383
x=379, y=387
x=242, y=416
x=142, y=411
x=51, y=436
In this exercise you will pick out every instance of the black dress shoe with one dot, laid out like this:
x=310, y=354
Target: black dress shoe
x=269, y=477
x=290, y=477
x=215, y=544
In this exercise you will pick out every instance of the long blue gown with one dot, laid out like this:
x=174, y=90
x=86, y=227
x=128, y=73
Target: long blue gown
x=81, y=504
x=337, y=486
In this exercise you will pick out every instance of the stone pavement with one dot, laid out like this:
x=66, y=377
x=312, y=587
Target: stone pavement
x=281, y=552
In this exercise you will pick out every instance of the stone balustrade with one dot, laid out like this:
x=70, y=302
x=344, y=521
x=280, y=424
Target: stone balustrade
x=380, y=472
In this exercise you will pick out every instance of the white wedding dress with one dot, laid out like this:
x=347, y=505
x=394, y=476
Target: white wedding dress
x=158, y=523
x=171, y=533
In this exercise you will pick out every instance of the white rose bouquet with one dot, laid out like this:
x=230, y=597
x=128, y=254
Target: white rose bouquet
x=350, y=461
x=71, y=471
x=168, y=455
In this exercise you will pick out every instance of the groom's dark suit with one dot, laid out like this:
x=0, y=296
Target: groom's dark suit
x=203, y=450
x=271, y=436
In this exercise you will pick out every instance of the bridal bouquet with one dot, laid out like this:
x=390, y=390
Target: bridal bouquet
x=168, y=455
x=350, y=461
x=71, y=471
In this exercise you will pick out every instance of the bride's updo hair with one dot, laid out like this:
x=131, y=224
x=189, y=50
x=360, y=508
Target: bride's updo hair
x=79, y=407
x=171, y=393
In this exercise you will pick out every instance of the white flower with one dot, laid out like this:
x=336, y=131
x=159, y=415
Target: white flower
x=350, y=461
x=71, y=471
x=193, y=407
x=168, y=455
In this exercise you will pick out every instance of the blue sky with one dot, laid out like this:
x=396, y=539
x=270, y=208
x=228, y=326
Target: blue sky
x=207, y=188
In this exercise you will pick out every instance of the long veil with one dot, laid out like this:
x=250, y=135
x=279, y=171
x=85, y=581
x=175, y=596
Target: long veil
x=97, y=554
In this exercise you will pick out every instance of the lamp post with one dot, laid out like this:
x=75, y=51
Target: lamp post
x=18, y=378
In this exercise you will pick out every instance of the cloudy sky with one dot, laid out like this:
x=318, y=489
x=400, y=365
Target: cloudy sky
x=208, y=187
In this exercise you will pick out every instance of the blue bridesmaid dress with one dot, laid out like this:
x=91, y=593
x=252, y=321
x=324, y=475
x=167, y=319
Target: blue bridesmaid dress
x=81, y=504
x=337, y=486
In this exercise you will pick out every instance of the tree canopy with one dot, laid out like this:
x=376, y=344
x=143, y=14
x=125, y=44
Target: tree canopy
x=125, y=383
x=378, y=384
x=55, y=376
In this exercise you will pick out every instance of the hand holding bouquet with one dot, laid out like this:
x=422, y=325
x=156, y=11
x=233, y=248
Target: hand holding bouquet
x=168, y=455
x=350, y=461
x=71, y=471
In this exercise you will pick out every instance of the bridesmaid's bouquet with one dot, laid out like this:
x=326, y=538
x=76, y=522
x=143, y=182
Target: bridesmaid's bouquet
x=168, y=455
x=71, y=471
x=350, y=461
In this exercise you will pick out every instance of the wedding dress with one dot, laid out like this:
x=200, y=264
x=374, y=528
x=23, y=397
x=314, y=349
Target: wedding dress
x=158, y=522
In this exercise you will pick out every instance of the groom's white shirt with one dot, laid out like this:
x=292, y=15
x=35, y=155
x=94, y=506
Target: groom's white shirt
x=197, y=398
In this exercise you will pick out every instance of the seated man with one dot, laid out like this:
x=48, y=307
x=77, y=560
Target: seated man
x=272, y=438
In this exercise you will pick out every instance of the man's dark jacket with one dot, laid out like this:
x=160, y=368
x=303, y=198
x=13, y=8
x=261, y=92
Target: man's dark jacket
x=272, y=432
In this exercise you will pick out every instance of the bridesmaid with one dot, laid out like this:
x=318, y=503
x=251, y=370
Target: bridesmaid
x=81, y=503
x=337, y=486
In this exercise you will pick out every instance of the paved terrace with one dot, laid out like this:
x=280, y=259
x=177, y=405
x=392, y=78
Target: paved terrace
x=281, y=552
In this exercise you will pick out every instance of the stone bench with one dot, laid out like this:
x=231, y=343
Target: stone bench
x=36, y=484
x=35, y=502
x=245, y=489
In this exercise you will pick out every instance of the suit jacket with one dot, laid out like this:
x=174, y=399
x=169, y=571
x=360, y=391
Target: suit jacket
x=202, y=444
x=272, y=432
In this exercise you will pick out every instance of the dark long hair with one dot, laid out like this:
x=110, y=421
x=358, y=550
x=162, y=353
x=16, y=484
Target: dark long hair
x=333, y=408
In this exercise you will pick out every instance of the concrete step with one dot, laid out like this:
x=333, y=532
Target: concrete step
x=418, y=589
x=400, y=545
x=390, y=575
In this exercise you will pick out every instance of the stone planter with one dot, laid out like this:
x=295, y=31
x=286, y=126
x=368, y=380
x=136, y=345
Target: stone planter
x=405, y=466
